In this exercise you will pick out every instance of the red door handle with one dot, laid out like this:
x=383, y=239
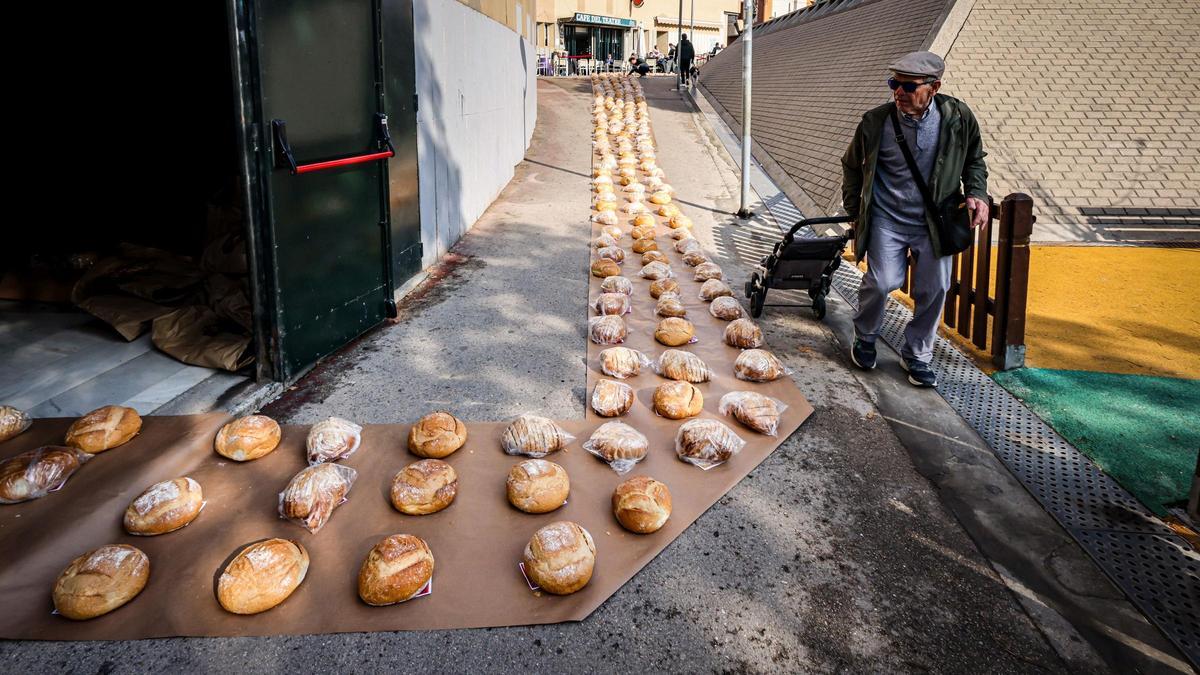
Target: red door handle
x=285, y=157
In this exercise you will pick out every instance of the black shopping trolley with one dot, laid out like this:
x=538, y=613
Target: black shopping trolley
x=799, y=264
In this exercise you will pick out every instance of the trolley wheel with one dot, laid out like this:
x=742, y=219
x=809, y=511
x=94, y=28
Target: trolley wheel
x=818, y=307
x=756, y=302
x=754, y=283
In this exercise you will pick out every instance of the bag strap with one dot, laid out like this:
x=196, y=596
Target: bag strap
x=912, y=166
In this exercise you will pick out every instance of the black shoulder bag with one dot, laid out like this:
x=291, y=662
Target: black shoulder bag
x=952, y=217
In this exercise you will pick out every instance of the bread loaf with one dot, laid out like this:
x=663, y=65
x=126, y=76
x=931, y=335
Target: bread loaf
x=613, y=253
x=537, y=486
x=694, y=258
x=437, y=435
x=605, y=217
x=644, y=231
x=607, y=330
x=332, y=439
x=560, y=558
x=679, y=221
x=616, y=284
x=248, y=438
x=610, y=399
x=670, y=306
x=36, y=473
x=668, y=211
x=759, y=412
x=656, y=271
x=677, y=400
x=654, y=256
x=100, y=581
x=687, y=245
x=657, y=288
x=604, y=205
x=616, y=304
x=395, y=570
x=612, y=230
x=743, y=334
x=725, y=308
x=677, y=364
x=534, y=436
x=603, y=241
x=642, y=219
x=660, y=197
x=706, y=442
x=758, y=365
x=680, y=234
x=714, y=288
x=311, y=496
x=634, y=207
x=164, y=507
x=708, y=270
x=642, y=505
x=644, y=245
x=674, y=332
x=262, y=576
x=424, y=487
x=103, y=429
x=12, y=422
x=622, y=362
x=603, y=267
x=618, y=444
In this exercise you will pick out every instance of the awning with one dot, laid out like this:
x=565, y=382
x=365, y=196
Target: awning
x=687, y=23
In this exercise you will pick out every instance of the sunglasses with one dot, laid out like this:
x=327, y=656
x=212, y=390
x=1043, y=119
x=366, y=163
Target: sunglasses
x=908, y=87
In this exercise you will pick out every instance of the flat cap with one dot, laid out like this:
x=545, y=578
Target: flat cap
x=922, y=64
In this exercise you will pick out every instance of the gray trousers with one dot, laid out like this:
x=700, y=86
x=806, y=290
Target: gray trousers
x=887, y=260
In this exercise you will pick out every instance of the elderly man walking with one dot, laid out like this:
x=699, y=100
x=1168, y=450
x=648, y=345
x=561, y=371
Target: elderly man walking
x=915, y=182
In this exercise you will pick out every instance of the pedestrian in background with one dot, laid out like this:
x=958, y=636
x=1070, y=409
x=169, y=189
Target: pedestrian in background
x=687, y=54
x=669, y=66
x=915, y=183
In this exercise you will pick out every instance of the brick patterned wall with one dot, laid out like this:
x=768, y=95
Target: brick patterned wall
x=814, y=80
x=1090, y=106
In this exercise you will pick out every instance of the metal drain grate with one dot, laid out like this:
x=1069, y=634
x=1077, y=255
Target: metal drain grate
x=1154, y=567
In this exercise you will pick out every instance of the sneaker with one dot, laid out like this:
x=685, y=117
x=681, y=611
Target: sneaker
x=919, y=373
x=863, y=354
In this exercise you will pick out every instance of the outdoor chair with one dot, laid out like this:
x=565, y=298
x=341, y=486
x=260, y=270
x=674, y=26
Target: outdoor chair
x=653, y=63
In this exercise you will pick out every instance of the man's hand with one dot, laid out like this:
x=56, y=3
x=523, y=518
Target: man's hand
x=979, y=208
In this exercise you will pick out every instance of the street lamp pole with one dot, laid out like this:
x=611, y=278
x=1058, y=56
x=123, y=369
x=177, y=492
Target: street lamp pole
x=678, y=43
x=744, y=211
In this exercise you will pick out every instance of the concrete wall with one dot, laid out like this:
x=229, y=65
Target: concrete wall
x=477, y=109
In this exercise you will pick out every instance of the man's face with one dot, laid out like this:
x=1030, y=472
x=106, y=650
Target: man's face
x=916, y=102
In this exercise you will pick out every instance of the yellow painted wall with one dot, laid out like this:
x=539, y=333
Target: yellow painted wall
x=504, y=11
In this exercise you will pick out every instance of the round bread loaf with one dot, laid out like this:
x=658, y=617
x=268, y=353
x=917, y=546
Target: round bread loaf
x=313, y=493
x=395, y=570
x=705, y=442
x=680, y=220
x=612, y=231
x=714, y=288
x=164, y=507
x=708, y=270
x=332, y=439
x=615, y=304
x=758, y=365
x=14, y=422
x=743, y=334
x=677, y=400
x=668, y=210
x=657, y=288
x=725, y=308
x=674, y=331
x=604, y=205
x=644, y=245
x=656, y=271
x=653, y=256
x=261, y=576
x=560, y=558
x=641, y=504
x=694, y=258
x=537, y=486
x=603, y=267
x=33, y=474
x=247, y=438
x=610, y=399
x=677, y=364
x=760, y=413
x=424, y=487
x=641, y=219
x=660, y=197
x=643, y=231
x=621, y=362
x=681, y=234
x=603, y=241
x=634, y=207
x=100, y=581
x=616, y=284
x=533, y=436
x=617, y=441
x=670, y=306
x=687, y=245
x=104, y=429
x=437, y=435
x=613, y=253
x=607, y=330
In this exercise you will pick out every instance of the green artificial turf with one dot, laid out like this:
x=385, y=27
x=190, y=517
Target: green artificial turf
x=1143, y=431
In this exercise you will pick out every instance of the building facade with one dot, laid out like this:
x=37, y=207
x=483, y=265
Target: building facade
x=598, y=28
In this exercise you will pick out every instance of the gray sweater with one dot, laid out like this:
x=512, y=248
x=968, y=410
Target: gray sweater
x=899, y=206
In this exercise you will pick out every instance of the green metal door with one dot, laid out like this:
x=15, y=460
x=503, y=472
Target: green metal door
x=325, y=231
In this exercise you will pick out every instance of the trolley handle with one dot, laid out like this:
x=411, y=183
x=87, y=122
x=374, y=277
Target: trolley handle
x=827, y=220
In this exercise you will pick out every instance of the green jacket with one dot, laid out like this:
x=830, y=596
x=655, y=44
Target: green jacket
x=959, y=160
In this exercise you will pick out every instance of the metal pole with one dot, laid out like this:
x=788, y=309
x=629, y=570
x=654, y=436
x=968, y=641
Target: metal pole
x=678, y=43
x=747, y=59
x=692, y=33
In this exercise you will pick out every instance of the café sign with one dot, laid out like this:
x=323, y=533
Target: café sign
x=580, y=17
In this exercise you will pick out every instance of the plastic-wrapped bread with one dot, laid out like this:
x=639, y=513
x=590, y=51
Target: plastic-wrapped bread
x=616, y=284
x=12, y=422
x=687, y=245
x=534, y=436
x=613, y=253
x=678, y=221
x=311, y=496
x=677, y=364
x=661, y=286
x=674, y=332
x=643, y=231
x=603, y=241
x=694, y=257
x=760, y=413
x=654, y=256
x=714, y=288
x=37, y=473
x=678, y=399
x=623, y=362
x=612, y=231
x=611, y=399
x=634, y=207
x=332, y=439
x=634, y=187
x=605, y=218
x=743, y=334
x=644, y=245
x=603, y=267
x=681, y=234
x=708, y=270
x=656, y=271
x=725, y=308
x=616, y=304
x=706, y=443
x=618, y=444
x=164, y=507
x=669, y=305
x=607, y=330
x=759, y=365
